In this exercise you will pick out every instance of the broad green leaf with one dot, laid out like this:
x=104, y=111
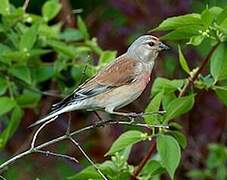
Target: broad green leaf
x=3, y=85
x=178, y=107
x=6, y=104
x=222, y=16
x=196, y=174
x=152, y=168
x=126, y=139
x=71, y=35
x=4, y=7
x=167, y=98
x=49, y=32
x=166, y=85
x=183, y=33
x=107, y=56
x=77, y=72
x=63, y=48
x=82, y=27
x=207, y=18
x=179, y=21
x=28, y=99
x=12, y=126
x=43, y=73
x=219, y=63
x=180, y=137
x=28, y=39
x=21, y=72
x=170, y=153
x=153, y=106
x=17, y=56
x=196, y=40
x=222, y=94
x=50, y=9
x=183, y=61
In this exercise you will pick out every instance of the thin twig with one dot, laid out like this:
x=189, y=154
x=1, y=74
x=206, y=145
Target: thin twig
x=87, y=157
x=63, y=137
x=40, y=128
x=26, y=2
x=56, y=155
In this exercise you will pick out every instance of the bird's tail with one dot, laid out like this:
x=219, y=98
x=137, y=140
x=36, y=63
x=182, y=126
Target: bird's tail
x=50, y=116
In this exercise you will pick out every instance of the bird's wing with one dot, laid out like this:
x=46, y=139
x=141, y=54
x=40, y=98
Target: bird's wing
x=118, y=73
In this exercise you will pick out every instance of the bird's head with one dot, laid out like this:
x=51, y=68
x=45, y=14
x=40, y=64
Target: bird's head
x=146, y=48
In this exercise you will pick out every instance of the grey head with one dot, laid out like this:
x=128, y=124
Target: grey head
x=146, y=48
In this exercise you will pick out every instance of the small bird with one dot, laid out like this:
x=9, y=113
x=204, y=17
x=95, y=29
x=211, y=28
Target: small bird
x=117, y=85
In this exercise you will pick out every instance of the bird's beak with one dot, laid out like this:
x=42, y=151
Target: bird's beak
x=163, y=47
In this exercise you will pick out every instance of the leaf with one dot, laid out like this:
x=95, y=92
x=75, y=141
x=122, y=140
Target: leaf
x=82, y=27
x=166, y=85
x=183, y=61
x=71, y=34
x=43, y=73
x=107, y=56
x=179, y=21
x=5, y=7
x=207, y=18
x=21, y=72
x=219, y=63
x=63, y=48
x=170, y=154
x=12, y=126
x=222, y=16
x=178, y=107
x=28, y=39
x=152, y=168
x=6, y=104
x=126, y=139
x=183, y=33
x=153, y=106
x=3, y=86
x=50, y=9
x=28, y=99
x=180, y=137
x=222, y=95
x=196, y=40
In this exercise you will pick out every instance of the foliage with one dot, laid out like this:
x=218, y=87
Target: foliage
x=215, y=164
x=28, y=39
x=28, y=42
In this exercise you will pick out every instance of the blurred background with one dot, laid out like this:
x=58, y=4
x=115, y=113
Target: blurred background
x=115, y=24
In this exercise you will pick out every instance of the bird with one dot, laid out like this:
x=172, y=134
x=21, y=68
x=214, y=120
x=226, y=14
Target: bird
x=118, y=84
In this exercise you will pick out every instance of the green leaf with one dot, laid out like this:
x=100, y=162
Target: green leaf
x=43, y=73
x=219, y=63
x=180, y=137
x=178, y=107
x=196, y=174
x=50, y=9
x=3, y=85
x=12, y=126
x=71, y=35
x=28, y=39
x=166, y=85
x=222, y=16
x=6, y=104
x=107, y=56
x=183, y=33
x=153, y=106
x=82, y=27
x=222, y=94
x=207, y=18
x=169, y=151
x=29, y=99
x=21, y=72
x=179, y=21
x=183, y=61
x=126, y=139
x=152, y=168
x=5, y=7
x=63, y=48
x=196, y=40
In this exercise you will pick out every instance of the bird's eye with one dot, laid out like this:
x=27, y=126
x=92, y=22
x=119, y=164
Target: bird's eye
x=151, y=44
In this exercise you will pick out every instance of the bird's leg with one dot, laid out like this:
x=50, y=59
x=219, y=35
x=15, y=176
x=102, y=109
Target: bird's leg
x=69, y=123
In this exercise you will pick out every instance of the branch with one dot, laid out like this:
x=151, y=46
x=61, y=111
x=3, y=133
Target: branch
x=65, y=136
x=182, y=93
x=25, y=5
